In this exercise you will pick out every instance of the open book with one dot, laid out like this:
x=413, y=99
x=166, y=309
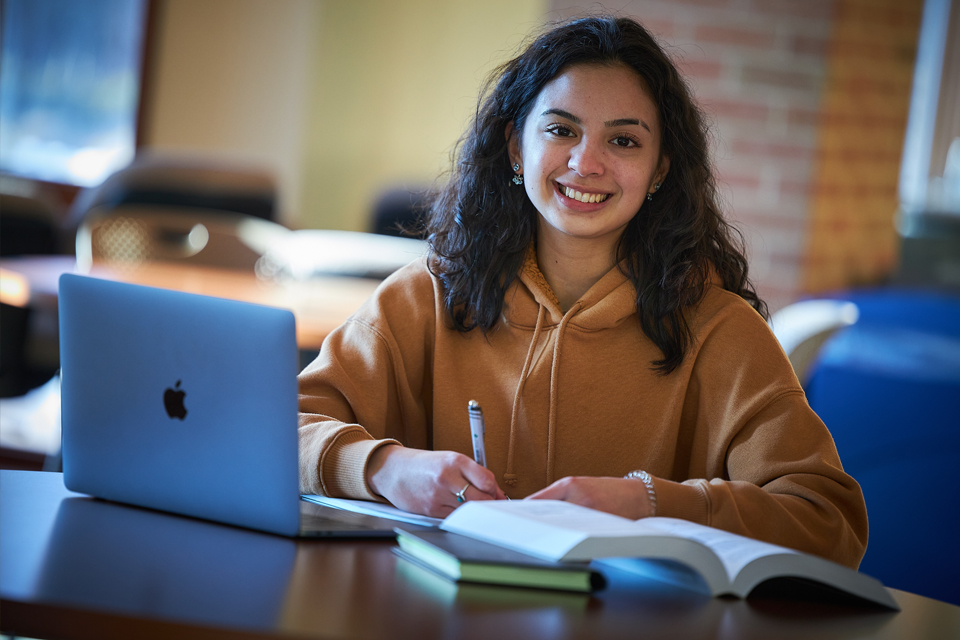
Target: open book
x=730, y=564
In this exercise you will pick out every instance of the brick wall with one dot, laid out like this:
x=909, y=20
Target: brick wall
x=765, y=72
x=871, y=51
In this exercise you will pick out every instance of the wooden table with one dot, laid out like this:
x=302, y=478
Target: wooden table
x=74, y=567
x=320, y=304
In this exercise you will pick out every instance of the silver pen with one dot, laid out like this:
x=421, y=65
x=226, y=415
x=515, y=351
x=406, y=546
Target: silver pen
x=477, y=432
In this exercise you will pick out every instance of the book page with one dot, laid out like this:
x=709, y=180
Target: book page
x=373, y=509
x=734, y=551
x=572, y=517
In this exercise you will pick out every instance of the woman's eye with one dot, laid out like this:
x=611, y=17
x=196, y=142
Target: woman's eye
x=624, y=141
x=560, y=130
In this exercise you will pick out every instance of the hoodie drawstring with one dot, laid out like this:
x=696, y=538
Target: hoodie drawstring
x=554, y=369
x=510, y=478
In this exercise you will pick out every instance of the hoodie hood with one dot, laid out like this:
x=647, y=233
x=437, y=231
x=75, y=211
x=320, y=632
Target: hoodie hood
x=607, y=304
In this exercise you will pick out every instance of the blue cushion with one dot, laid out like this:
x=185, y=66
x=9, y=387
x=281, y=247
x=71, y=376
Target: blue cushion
x=888, y=388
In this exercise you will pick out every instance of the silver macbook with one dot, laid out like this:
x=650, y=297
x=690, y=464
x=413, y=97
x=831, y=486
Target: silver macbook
x=188, y=404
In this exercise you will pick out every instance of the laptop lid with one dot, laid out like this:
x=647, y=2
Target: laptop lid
x=180, y=402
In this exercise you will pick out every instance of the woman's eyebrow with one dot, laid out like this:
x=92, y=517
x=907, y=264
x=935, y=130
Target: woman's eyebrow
x=620, y=122
x=563, y=114
x=625, y=121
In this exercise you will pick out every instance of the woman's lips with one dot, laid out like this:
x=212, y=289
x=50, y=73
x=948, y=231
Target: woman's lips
x=582, y=195
x=580, y=200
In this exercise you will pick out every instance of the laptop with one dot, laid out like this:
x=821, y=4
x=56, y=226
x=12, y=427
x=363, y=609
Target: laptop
x=188, y=404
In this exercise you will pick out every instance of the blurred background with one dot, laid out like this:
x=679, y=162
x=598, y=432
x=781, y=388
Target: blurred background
x=265, y=150
x=341, y=102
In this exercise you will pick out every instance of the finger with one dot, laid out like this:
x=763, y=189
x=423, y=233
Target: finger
x=481, y=478
x=555, y=491
x=474, y=493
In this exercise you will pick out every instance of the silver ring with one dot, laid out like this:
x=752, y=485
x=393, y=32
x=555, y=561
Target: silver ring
x=459, y=494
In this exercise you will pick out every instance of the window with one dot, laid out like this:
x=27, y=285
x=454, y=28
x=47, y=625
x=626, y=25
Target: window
x=70, y=87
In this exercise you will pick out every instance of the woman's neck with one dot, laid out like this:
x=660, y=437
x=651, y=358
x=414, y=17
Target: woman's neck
x=572, y=266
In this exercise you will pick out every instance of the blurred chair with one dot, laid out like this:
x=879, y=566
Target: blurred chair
x=167, y=208
x=182, y=182
x=27, y=227
x=888, y=388
x=803, y=327
x=399, y=212
x=133, y=234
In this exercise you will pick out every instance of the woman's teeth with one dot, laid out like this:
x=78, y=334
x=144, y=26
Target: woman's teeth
x=583, y=197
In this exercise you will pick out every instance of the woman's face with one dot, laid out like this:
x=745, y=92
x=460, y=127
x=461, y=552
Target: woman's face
x=590, y=152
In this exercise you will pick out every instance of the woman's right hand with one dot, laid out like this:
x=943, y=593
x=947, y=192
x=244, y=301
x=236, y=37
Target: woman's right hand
x=427, y=482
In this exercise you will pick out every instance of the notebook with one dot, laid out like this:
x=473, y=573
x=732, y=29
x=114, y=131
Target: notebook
x=188, y=404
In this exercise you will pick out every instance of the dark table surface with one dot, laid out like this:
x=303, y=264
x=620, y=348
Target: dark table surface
x=75, y=567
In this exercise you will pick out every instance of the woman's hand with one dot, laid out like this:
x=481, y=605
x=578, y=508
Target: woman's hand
x=620, y=496
x=427, y=482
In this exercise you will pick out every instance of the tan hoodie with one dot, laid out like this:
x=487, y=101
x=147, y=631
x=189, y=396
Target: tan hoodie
x=728, y=436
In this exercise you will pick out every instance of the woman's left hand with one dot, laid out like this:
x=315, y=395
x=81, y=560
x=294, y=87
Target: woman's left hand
x=619, y=496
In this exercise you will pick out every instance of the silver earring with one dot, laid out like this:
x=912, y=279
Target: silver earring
x=517, y=178
x=656, y=188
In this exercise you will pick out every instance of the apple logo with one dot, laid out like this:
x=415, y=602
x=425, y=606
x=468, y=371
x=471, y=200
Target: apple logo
x=173, y=402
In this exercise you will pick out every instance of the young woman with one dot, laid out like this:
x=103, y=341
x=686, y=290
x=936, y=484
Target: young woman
x=583, y=287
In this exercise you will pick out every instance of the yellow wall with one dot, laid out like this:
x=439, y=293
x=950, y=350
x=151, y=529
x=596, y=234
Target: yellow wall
x=394, y=86
x=228, y=81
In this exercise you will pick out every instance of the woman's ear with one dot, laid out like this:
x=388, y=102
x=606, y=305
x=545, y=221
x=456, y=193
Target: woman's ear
x=662, y=169
x=513, y=144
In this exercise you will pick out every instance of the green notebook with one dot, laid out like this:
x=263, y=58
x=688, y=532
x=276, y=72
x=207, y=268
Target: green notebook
x=464, y=559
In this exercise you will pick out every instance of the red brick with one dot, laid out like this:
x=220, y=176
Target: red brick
x=877, y=15
x=864, y=85
x=739, y=180
x=863, y=121
x=769, y=221
x=784, y=258
x=858, y=191
x=814, y=9
x=866, y=156
x=707, y=69
x=874, y=51
x=779, y=78
x=805, y=117
x=704, y=3
x=735, y=36
x=736, y=109
x=660, y=28
x=807, y=45
x=795, y=187
x=771, y=149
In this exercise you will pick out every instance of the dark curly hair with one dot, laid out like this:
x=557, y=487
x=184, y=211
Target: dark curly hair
x=478, y=227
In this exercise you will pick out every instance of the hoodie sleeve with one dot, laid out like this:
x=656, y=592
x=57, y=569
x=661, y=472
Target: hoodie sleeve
x=764, y=464
x=366, y=388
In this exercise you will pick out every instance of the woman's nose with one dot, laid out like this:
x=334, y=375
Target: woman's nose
x=586, y=159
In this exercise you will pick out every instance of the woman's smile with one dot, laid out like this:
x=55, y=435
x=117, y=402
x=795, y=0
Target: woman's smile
x=585, y=196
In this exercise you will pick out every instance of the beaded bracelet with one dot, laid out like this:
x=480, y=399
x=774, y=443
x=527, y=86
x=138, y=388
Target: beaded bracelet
x=647, y=481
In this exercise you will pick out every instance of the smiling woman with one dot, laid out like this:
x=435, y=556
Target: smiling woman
x=589, y=160
x=622, y=358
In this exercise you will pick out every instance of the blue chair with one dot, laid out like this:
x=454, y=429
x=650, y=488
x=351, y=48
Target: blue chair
x=888, y=388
